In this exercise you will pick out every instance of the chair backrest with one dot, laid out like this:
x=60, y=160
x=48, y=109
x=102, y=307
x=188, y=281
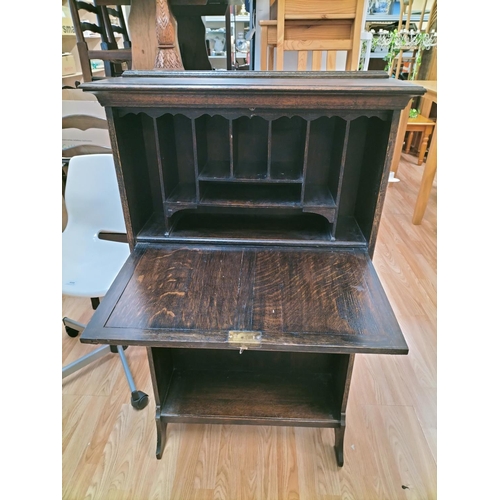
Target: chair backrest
x=317, y=26
x=110, y=53
x=84, y=122
x=92, y=196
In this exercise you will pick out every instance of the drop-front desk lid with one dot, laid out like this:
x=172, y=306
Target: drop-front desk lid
x=228, y=297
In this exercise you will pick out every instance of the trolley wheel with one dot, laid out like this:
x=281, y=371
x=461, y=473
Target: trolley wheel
x=139, y=400
x=71, y=331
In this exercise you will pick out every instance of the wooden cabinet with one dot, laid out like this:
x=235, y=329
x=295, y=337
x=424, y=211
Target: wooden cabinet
x=252, y=203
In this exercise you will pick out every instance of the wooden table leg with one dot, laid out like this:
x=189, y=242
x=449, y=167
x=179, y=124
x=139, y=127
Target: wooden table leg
x=423, y=145
x=168, y=55
x=427, y=180
x=426, y=107
x=400, y=138
x=409, y=142
x=141, y=19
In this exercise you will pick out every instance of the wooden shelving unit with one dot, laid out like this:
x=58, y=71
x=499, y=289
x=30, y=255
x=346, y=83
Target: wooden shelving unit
x=237, y=24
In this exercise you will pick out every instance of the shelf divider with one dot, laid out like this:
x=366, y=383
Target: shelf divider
x=231, y=149
x=306, y=153
x=195, y=155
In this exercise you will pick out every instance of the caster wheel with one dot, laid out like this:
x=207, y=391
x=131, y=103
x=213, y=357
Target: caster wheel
x=139, y=400
x=71, y=331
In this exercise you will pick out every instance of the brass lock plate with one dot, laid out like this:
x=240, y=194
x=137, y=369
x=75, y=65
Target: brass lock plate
x=245, y=338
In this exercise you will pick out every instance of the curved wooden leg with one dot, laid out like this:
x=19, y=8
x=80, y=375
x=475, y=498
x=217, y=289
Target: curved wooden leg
x=161, y=437
x=339, y=445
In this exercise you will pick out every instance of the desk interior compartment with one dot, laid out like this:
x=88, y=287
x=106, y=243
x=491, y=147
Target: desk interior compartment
x=213, y=141
x=364, y=156
x=279, y=388
x=330, y=166
x=288, y=139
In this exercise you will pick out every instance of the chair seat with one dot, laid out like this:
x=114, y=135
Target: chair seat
x=90, y=267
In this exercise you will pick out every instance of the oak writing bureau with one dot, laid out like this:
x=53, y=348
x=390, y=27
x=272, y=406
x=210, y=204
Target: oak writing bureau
x=252, y=202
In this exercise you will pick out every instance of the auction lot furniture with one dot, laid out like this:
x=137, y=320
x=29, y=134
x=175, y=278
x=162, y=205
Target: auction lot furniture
x=252, y=203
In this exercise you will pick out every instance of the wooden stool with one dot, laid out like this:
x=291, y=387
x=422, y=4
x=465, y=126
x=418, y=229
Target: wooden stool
x=423, y=125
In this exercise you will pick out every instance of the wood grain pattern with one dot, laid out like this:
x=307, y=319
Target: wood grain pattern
x=390, y=438
x=167, y=55
x=177, y=296
x=143, y=14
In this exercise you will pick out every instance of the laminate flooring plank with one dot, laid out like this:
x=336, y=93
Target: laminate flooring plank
x=75, y=436
x=287, y=462
x=120, y=470
x=197, y=460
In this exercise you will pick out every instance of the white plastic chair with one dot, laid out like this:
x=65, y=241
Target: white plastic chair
x=89, y=263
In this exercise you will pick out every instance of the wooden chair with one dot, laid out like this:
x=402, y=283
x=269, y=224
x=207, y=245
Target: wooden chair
x=112, y=56
x=316, y=26
x=421, y=125
x=81, y=122
x=412, y=54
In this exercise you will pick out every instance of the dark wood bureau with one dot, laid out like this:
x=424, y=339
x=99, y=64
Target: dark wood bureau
x=252, y=203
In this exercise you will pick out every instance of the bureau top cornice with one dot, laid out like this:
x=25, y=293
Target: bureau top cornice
x=342, y=90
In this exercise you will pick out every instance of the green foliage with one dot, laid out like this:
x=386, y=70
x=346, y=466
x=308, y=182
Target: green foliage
x=394, y=47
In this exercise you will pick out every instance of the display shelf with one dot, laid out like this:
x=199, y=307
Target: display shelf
x=250, y=195
x=237, y=24
x=287, y=228
x=204, y=396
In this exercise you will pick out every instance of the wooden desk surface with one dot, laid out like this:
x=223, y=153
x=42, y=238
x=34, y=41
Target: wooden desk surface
x=429, y=85
x=297, y=300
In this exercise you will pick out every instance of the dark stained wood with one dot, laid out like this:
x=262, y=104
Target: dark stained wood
x=250, y=195
x=292, y=228
x=251, y=398
x=305, y=301
x=252, y=203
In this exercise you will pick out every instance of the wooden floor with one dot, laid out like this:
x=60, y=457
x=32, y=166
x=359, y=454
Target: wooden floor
x=390, y=442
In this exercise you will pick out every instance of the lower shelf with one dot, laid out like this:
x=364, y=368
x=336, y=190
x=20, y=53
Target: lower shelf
x=204, y=396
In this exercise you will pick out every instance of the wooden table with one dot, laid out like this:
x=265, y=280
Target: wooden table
x=431, y=162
